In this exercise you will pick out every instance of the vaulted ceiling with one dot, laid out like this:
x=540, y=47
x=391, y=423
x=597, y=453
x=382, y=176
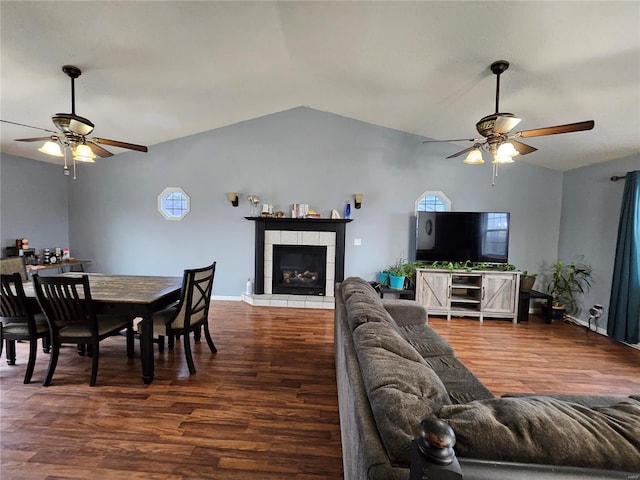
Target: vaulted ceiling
x=157, y=71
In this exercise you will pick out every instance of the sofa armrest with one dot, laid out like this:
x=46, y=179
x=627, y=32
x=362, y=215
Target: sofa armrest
x=406, y=312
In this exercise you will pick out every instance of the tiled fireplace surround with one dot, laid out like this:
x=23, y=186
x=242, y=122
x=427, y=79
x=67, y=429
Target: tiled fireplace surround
x=270, y=231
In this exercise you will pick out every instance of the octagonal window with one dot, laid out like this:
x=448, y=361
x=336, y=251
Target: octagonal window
x=174, y=203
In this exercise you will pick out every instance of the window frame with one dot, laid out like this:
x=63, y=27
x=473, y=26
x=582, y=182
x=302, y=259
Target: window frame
x=164, y=196
x=442, y=198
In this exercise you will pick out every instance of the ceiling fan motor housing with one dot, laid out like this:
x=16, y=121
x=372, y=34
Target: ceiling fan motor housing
x=485, y=125
x=70, y=123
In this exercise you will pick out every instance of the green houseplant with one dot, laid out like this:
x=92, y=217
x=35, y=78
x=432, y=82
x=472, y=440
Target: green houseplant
x=397, y=274
x=566, y=282
x=404, y=273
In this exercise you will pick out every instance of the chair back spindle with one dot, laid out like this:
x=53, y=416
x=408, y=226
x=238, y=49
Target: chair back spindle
x=66, y=302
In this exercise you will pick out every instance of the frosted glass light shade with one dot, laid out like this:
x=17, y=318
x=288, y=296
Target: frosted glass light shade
x=474, y=158
x=505, y=153
x=501, y=160
x=83, y=153
x=507, y=149
x=51, y=148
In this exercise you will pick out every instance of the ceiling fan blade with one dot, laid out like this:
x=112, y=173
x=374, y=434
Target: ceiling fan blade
x=461, y=152
x=522, y=148
x=505, y=124
x=453, y=140
x=116, y=143
x=568, y=128
x=34, y=139
x=28, y=126
x=98, y=150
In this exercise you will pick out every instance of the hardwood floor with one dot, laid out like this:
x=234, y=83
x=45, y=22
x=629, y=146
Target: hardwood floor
x=543, y=358
x=264, y=406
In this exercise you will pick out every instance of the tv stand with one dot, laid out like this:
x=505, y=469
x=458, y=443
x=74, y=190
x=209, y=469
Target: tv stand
x=462, y=293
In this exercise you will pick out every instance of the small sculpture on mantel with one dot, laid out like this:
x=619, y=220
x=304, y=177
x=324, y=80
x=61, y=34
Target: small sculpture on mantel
x=334, y=214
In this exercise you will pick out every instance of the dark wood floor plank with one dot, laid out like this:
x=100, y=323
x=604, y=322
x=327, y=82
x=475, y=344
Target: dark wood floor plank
x=264, y=406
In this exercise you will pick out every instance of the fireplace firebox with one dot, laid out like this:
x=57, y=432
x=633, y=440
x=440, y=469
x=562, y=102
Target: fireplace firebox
x=299, y=269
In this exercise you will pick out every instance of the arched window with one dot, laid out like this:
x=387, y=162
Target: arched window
x=431, y=201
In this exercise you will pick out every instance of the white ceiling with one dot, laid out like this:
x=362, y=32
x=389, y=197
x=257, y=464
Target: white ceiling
x=156, y=71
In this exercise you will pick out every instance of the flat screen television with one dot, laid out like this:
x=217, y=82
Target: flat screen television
x=461, y=236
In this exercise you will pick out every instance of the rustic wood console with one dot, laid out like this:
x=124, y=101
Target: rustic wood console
x=469, y=294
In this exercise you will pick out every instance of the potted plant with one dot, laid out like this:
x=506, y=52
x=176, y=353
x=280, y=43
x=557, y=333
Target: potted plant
x=566, y=281
x=410, y=274
x=397, y=274
x=383, y=278
x=527, y=280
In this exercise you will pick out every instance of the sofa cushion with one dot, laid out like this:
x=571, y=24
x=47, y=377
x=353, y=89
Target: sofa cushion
x=405, y=312
x=584, y=400
x=461, y=384
x=545, y=430
x=362, y=309
x=353, y=285
x=425, y=340
x=401, y=388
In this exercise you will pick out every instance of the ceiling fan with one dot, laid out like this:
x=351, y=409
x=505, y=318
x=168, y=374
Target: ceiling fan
x=495, y=130
x=73, y=131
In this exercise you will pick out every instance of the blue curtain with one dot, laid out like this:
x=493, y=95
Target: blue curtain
x=624, y=305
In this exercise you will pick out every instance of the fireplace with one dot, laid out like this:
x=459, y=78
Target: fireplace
x=322, y=234
x=299, y=269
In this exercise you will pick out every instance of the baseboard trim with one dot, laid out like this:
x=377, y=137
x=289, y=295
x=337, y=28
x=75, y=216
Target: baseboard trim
x=226, y=297
x=600, y=330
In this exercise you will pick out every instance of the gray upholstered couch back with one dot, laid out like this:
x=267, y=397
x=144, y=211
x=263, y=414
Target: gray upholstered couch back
x=365, y=454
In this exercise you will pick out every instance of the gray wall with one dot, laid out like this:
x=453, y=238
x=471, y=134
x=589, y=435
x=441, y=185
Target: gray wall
x=33, y=203
x=299, y=155
x=590, y=215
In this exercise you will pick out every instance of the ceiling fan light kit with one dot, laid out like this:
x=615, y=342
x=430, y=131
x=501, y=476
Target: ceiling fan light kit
x=496, y=137
x=74, y=130
x=51, y=148
x=83, y=153
x=474, y=157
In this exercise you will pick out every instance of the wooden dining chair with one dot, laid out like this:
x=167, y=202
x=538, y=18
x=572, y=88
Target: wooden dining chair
x=20, y=323
x=71, y=315
x=190, y=314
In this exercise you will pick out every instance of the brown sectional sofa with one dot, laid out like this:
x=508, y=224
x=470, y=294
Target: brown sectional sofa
x=393, y=371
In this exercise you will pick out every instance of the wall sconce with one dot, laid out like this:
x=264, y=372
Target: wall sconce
x=233, y=198
x=357, y=197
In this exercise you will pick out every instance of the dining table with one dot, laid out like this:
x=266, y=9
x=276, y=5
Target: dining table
x=134, y=295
